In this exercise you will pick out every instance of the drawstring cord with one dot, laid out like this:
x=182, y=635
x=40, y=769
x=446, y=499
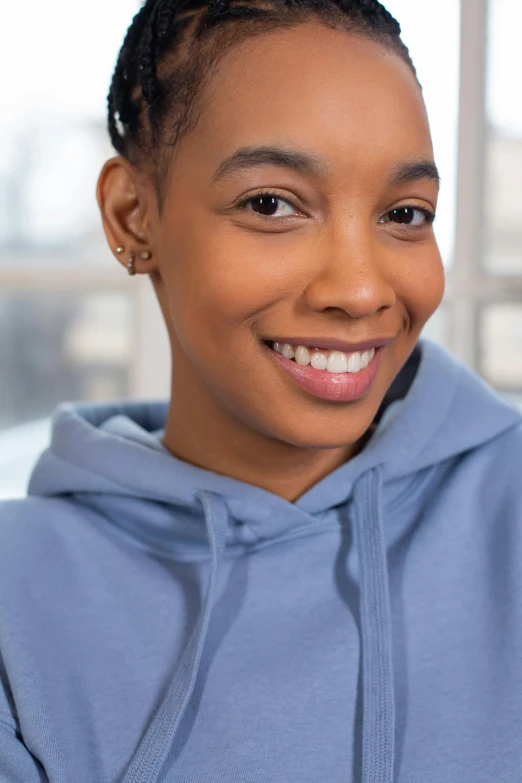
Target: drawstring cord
x=150, y=756
x=378, y=728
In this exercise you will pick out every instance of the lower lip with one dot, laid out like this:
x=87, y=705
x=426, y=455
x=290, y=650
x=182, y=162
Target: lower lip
x=337, y=387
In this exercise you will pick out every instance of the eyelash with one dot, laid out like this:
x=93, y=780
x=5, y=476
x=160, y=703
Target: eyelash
x=428, y=213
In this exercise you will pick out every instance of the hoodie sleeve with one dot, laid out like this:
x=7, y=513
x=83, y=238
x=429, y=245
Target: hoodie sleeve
x=17, y=765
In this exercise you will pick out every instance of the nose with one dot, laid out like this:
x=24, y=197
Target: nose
x=351, y=276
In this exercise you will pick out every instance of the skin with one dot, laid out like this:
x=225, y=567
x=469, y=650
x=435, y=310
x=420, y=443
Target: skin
x=324, y=265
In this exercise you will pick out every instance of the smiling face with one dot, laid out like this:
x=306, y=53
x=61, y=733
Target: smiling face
x=341, y=249
x=333, y=253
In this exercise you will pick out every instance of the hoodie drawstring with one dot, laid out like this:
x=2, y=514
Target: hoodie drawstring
x=377, y=666
x=150, y=756
x=378, y=727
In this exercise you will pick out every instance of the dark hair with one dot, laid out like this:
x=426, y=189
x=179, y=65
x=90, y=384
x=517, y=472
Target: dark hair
x=172, y=45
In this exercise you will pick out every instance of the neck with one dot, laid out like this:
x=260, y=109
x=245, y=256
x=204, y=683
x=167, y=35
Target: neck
x=200, y=431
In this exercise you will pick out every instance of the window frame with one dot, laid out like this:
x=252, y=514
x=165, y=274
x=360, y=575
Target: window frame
x=470, y=287
x=150, y=364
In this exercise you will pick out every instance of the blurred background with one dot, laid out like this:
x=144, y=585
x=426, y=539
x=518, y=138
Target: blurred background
x=73, y=326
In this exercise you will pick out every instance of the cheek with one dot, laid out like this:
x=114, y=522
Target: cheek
x=229, y=283
x=421, y=287
x=216, y=288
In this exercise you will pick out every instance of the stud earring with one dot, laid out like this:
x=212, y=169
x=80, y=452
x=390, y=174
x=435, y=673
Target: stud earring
x=146, y=255
x=130, y=264
x=120, y=249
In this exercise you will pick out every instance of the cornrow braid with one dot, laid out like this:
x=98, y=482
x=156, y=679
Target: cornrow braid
x=146, y=57
x=121, y=108
x=171, y=45
x=165, y=16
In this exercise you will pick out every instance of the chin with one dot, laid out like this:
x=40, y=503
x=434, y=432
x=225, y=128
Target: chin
x=324, y=428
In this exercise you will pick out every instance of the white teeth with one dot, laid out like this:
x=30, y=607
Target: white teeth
x=337, y=362
x=354, y=362
x=319, y=361
x=332, y=361
x=302, y=355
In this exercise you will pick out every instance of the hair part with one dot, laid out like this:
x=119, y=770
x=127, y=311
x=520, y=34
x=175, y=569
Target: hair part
x=172, y=45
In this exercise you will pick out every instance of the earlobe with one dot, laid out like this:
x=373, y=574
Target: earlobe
x=124, y=205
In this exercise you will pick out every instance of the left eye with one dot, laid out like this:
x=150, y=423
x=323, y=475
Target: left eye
x=409, y=216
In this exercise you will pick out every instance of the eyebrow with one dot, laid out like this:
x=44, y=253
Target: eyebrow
x=249, y=157
x=413, y=171
x=303, y=163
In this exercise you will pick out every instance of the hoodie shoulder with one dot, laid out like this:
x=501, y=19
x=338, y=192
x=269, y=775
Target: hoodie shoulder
x=40, y=530
x=18, y=513
x=29, y=512
x=26, y=524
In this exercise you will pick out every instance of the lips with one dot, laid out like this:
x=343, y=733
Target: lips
x=332, y=386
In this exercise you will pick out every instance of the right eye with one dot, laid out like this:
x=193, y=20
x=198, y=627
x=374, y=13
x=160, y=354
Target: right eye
x=265, y=204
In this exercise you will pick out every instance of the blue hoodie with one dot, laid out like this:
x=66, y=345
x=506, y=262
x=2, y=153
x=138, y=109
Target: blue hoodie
x=160, y=622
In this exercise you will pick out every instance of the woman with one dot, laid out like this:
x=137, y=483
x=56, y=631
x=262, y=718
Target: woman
x=305, y=566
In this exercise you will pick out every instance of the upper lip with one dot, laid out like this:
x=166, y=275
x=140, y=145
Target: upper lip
x=330, y=344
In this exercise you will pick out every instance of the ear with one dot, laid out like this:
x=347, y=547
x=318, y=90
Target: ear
x=128, y=209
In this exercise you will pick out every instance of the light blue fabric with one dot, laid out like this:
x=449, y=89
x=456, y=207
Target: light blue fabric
x=161, y=622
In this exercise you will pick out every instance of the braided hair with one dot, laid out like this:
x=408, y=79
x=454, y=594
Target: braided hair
x=171, y=45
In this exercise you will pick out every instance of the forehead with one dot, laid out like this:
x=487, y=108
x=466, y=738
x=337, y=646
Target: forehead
x=351, y=99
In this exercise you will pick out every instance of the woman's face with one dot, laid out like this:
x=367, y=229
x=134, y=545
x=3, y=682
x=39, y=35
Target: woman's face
x=329, y=259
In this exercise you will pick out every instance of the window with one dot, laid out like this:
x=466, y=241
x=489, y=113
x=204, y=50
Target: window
x=485, y=286
x=73, y=325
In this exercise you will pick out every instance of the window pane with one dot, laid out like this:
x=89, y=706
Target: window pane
x=48, y=211
x=59, y=347
x=52, y=126
x=57, y=57
x=503, y=191
x=501, y=345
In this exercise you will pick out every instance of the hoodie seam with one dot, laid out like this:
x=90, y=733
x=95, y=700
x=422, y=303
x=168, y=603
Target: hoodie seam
x=237, y=550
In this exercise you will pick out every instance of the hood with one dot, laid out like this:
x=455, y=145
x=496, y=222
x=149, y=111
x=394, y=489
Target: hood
x=110, y=458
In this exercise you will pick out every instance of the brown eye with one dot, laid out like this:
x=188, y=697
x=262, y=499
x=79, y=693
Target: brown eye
x=267, y=205
x=410, y=216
